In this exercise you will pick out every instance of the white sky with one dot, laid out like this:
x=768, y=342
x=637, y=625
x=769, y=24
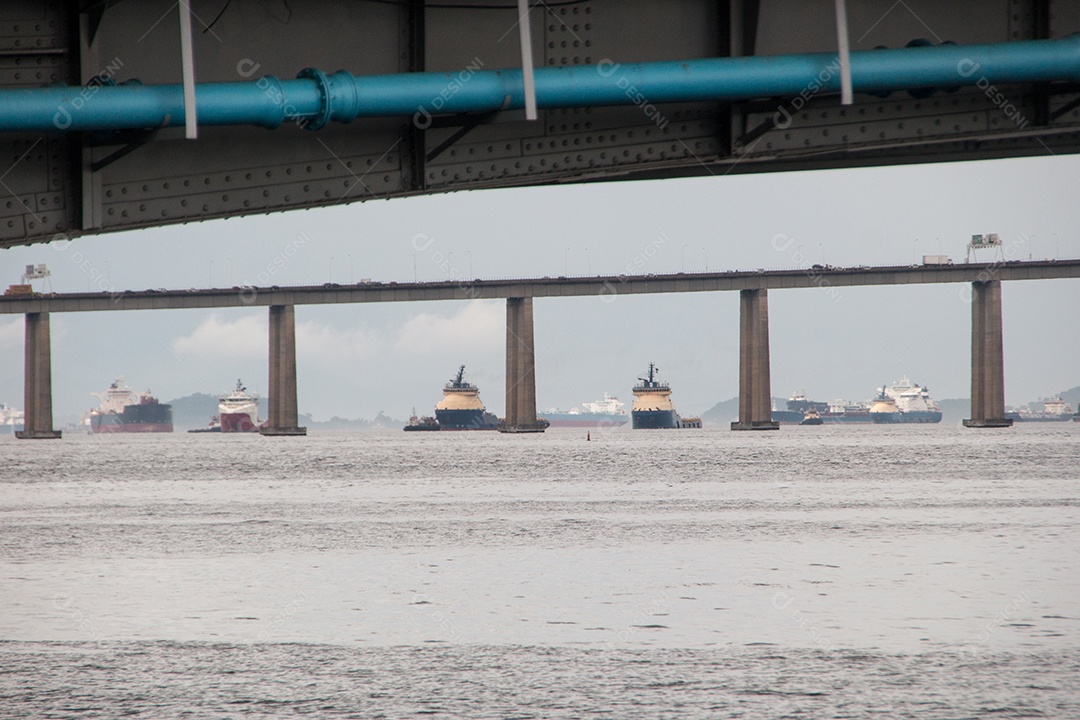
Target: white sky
x=356, y=360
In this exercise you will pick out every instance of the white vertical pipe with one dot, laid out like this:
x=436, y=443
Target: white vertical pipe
x=525, y=29
x=191, y=130
x=846, y=94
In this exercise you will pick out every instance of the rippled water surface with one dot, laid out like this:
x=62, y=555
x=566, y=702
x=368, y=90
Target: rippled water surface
x=852, y=572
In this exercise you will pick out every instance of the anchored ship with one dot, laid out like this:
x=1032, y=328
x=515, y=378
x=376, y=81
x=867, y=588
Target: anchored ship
x=1054, y=410
x=120, y=413
x=11, y=420
x=461, y=408
x=653, y=408
x=837, y=411
x=238, y=411
x=904, y=402
x=608, y=412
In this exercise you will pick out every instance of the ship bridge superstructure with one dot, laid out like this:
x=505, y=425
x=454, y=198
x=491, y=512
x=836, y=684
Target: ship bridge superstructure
x=115, y=398
x=459, y=394
x=651, y=394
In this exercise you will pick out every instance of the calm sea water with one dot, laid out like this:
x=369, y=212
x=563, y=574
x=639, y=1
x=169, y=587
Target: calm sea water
x=856, y=572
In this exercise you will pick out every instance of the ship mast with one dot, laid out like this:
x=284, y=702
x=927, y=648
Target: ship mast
x=650, y=381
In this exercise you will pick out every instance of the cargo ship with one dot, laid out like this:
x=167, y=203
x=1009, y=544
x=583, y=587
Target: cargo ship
x=608, y=412
x=653, y=408
x=11, y=420
x=837, y=411
x=904, y=402
x=1054, y=410
x=238, y=411
x=461, y=408
x=119, y=413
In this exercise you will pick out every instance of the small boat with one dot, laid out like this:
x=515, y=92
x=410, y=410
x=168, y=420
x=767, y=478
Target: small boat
x=213, y=427
x=421, y=423
x=812, y=417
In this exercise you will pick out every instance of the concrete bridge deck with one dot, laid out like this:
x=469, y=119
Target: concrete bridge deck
x=602, y=286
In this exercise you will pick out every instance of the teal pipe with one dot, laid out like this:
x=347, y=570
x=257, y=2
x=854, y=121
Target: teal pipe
x=313, y=99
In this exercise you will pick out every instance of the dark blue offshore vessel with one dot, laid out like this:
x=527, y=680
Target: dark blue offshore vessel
x=461, y=409
x=652, y=408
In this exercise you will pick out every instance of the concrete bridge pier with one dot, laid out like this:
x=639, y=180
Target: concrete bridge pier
x=282, y=393
x=987, y=363
x=520, y=369
x=37, y=383
x=755, y=389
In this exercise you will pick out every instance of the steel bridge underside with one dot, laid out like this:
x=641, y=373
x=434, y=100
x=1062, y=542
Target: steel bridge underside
x=62, y=184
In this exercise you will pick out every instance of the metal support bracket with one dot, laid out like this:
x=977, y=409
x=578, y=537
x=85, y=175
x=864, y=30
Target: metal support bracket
x=528, y=81
x=844, y=52
x=471, y=122
x=187, y=61
x=137, y=141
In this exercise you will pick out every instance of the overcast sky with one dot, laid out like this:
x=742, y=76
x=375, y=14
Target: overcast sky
x=355, y=360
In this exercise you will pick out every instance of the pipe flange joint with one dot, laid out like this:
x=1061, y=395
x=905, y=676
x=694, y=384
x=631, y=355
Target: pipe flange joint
x=323, y=83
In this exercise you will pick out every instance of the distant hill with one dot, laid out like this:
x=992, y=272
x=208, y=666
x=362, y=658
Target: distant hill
x=380, y=422
x=953, y=410
x=728, y=410
x=1071, y=396
x=193, y=411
